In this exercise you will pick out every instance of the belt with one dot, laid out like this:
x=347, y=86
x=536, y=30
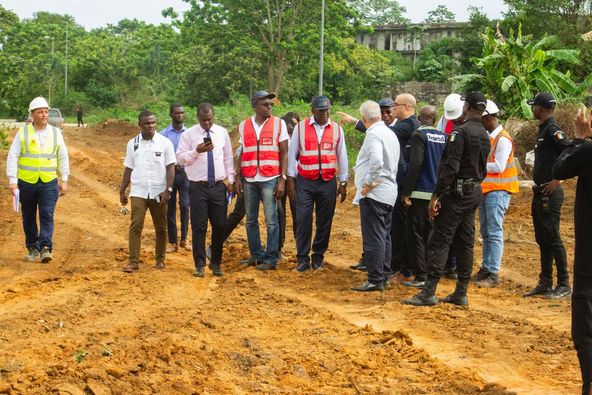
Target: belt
x=207, y=184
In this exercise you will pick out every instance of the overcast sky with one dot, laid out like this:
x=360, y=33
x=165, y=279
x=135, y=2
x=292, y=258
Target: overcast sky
x=97, y=13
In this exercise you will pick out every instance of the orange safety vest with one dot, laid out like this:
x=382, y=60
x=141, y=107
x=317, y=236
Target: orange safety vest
x=508, y=179
x=264, y=153
x=318, y=159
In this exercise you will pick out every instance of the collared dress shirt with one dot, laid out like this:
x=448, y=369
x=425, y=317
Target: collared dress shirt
x=283, y=137
x=377, y=162
x=173, y=134
x=148, y=161
x=15, y=152
x=196, y=164
x=294, y=150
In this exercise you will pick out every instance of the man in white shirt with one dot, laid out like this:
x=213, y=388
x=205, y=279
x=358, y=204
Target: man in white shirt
x=316, y=156
x=376, y=183
x=37, y=156
x=150, y=166
x=263, y=164
x=206, y=153
x=499, y=185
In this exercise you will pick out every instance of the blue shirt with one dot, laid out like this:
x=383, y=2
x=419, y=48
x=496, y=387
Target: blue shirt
x=170, y=133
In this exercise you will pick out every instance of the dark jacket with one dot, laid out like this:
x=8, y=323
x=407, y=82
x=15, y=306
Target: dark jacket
x=465, y=155
x=551, y=141
x=576, y=160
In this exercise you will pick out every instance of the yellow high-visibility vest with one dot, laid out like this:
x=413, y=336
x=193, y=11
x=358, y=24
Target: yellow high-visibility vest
x=36, y=162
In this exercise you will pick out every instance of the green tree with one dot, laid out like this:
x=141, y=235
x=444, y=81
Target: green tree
x=515, y=67
x=380, y=12
x=440, y=14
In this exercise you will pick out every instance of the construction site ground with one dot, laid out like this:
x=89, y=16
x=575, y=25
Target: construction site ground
x=80, y=325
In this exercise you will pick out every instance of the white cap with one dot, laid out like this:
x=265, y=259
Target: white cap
x=38, y=102
x=453, y=106
x=491, y=108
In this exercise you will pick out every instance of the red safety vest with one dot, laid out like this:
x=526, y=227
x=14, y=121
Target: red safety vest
x=262, y=154
x=318, y=159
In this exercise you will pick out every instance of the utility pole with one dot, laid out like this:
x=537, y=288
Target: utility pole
x=321, y=65
x=66, y=73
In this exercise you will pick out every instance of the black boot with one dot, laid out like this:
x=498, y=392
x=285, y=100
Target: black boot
x=459, y=296
x=427, y=296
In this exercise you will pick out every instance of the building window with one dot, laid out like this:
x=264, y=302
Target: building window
x=387, y=42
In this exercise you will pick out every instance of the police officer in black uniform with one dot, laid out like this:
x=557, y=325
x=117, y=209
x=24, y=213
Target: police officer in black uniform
x=454, y=202
x=548, y=199
x=576, y=160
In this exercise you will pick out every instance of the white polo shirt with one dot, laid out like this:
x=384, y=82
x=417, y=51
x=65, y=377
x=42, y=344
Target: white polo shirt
x=148, y=160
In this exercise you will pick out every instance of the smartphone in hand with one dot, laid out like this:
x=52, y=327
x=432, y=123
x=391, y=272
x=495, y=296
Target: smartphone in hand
x=207, y=140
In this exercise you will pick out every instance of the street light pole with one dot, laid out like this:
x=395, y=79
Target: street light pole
x=66, y=73
x=321, y=65
x=50, y=80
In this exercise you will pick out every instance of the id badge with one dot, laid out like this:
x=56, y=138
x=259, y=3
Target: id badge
x=267, y=141
x=327, y=146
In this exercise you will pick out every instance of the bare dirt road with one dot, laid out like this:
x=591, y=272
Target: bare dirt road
x=80, y=325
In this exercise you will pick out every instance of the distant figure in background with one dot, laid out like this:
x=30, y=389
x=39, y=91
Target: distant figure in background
x=173, y=132
x=150, y=167
x=78, y=110
x=291, y=119
x=37, y=156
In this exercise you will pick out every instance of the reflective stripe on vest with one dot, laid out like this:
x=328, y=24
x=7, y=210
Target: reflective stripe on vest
x=34, y=161
x=261, y=154
x=508, y=179
x=317, y=159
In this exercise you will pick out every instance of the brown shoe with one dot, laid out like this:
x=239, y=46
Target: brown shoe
x=400, y=278
x=172, y=248
x=185, y=244
x=131, y=267
x=159, y=265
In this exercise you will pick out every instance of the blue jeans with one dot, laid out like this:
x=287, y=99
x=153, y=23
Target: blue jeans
x=42, y=196
x=256, y=192
x=491, y=218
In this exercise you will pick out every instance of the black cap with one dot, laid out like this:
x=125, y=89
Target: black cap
x=321, y=103
x=386, y=102
x=259, y=95
x=476, y=100
x=543, y=99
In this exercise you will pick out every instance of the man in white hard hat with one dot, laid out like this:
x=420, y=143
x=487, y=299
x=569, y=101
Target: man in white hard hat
x=497, y=187
x=453, y=109
x=37, y=156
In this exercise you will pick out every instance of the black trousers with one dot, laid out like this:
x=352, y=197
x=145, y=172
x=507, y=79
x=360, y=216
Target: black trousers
x=454, y=228
x=235, y=217
x=375, y=218
x=207, y=203
x=546, y=231
x=321, y=196
x=180, y=188
x=418, y=232
x=399, y=256
x=581, y=327
x=282, y=218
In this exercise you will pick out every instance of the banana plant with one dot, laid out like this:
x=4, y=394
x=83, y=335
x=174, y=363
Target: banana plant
x=515, y=67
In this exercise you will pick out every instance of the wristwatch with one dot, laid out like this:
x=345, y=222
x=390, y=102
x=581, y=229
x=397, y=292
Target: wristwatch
x=170, y=189
x=284, y=177
x=343, y=183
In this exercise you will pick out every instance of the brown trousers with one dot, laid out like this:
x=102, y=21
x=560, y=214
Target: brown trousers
x=158, y=214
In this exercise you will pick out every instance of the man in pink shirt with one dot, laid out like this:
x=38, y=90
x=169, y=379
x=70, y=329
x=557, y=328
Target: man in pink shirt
x=206, y=153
